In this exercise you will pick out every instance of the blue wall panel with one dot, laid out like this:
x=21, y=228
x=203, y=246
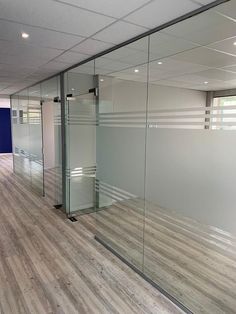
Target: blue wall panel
x=5, y=131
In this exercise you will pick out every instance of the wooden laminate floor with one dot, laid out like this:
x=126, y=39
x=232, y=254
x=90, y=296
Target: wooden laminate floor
x=51, y=265
x=193, y=262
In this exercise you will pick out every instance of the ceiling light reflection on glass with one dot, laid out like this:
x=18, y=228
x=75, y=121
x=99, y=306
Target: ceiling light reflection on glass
x=24, y=35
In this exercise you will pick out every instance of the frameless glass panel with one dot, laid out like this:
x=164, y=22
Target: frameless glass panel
x=21, y=138
x=120, y=149
x=35, y=136
x=51, y=111
x=82, y=128
x=81, y=139
x=190, y=234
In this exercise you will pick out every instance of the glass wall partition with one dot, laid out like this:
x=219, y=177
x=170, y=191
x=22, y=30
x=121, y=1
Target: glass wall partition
x=120, y=149
x=153, y=153
x=35, y=138
x=165, y=160
x=20, y=131
x=52, y=139
x=80, y=92
x=189, y=238
x=31, y=130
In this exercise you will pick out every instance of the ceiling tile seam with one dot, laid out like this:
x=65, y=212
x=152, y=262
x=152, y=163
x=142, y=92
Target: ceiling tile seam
x=224, y=52
x=193, y=42
x=120, y=19
x=41, y=27
x=30, y=44
x=89, y=37
x=184, y=74
x=103, y=14
x=197, y=2
x=154, y=60
x=224, y=15
x=171, y=55
x=54, y=59
x=107, y=26
x=214, y=49
x=218, y=41
x=192, y=1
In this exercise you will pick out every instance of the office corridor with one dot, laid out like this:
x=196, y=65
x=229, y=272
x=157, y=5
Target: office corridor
x=51, y=265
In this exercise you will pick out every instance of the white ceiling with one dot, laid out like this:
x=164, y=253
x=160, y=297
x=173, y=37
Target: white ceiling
x=198, y=53
x=64, y=32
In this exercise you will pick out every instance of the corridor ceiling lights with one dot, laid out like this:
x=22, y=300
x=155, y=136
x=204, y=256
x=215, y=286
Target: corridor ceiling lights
x=206, y=82
x=24, y=35
x=235, y=43
x=159, y=62
x=101, y=80
x=136, y=70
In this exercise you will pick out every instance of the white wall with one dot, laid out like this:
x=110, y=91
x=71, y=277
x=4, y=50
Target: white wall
x=129, y=95
x=4, y=102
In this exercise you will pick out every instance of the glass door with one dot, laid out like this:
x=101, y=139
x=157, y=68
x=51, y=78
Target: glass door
x=81, y=158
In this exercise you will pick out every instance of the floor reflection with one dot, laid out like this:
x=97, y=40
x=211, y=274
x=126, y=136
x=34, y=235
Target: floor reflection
x=193, y=262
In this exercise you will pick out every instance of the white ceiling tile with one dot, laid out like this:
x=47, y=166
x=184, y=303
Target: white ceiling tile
x=21, y=59
x=129, y=54
x=39, y=37
x=27, y=51
x=92, y=46
x=174, y=84
x=53, y=15
x=207, y=57
x=226, y=45
x=163, y=45
x=119, y=32
x=159, y=12
x=197, y=78
x=115, y=8
x=84, y=68
x=218, y=74
x=111, y=65
x=204, y=28
x=71, y=57
x=204, y=2
x=227, y=9
x=13, y=69
x=171, y=67
x=230, y=68
x=121, y=53
x=4, y=85
x=55, y=65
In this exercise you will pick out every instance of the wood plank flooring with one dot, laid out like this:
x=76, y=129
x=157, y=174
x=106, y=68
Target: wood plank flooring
x=195, y=263
x=51, y=265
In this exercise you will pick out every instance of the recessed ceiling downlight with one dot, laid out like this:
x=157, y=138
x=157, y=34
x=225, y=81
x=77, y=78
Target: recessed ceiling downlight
x=206, y=82
x=136, y=70
x=24, y=35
